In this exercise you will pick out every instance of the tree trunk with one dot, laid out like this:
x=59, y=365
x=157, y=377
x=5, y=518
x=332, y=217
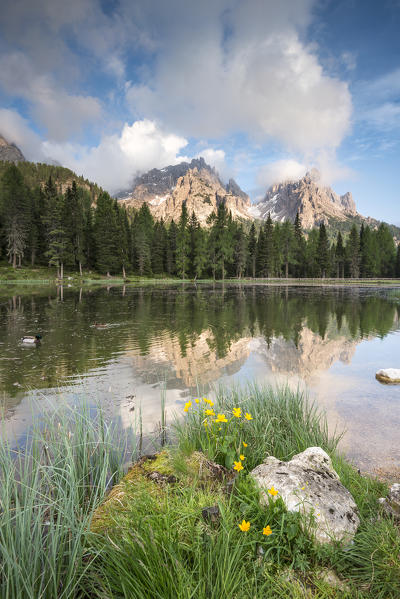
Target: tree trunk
x=19, y=260
x=33, y=257
x=123, y=272
x=80, y=268
x=14, y=260
x=287, y=269
x=62, y=271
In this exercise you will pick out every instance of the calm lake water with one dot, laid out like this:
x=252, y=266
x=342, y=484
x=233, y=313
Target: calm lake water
x=329, y=341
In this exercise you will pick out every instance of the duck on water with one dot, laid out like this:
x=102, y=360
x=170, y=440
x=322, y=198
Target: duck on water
x=31, y=340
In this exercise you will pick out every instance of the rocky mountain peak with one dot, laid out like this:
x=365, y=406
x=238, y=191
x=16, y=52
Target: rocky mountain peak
x=9, y=152
x=314, y=202
x=196, y=183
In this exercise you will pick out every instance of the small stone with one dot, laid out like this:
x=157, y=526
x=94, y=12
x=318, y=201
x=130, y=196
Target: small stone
x=211, y=514
x=390, y=376
x=309, y=484
x=391, y=503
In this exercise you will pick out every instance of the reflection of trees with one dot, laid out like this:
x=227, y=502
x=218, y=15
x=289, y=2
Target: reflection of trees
x=140, y=316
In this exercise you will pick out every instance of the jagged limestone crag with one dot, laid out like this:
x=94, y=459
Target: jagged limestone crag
x=314, y=202
x=196, y=184
x=309, y=484
x=10, y=152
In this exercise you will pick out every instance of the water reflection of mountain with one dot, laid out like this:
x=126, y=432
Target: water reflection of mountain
x=197, y=332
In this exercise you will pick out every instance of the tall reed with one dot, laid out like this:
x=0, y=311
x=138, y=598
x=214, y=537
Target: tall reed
x=48, y=492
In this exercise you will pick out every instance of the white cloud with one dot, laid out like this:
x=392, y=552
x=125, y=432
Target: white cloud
x=118, y=158
x=260, y=79
x=61, y=113
x=216, y=158
x=280, y=171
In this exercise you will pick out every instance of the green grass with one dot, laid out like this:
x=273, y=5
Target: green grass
x=149, y=540
x=48, y=492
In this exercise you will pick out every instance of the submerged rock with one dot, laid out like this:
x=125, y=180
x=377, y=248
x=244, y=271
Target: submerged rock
x=391, y=503
x=388, y=375
x=309, y=484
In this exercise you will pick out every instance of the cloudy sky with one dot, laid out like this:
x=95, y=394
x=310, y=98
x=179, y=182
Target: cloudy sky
x=264, y=90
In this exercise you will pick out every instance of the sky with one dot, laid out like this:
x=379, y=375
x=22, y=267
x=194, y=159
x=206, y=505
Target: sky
x=264, y=90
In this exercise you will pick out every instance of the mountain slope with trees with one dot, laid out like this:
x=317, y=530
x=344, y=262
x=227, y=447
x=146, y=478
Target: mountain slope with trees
x=43, y=225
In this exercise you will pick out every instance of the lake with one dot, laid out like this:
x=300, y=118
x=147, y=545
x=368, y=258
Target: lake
x=120, y=346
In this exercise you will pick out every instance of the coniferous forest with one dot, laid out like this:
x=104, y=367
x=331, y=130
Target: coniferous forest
x=41, y=225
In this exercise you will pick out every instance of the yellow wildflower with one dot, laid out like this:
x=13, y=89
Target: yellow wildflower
x=210, y=403
x=241, y=457
x=237, y=412
x=248, y=416
x=188, y=404
x=221, y=418
x=205, y=423
x=238, y=466
x=272, y=491
x=244, y=526
x=302, y=488
x=197, y=400
x=244, y=444
x=210, y=413
x=267, y=531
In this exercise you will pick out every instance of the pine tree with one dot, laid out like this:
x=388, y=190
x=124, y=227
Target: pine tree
x=183, y=244
x=299, y=249
x=57, y=235
x=397, y=270
x=386, y=251
x=158, y=248
x=367, y=252
x=222, y=235
x=105, y=233
x=340, y=256
x=171, y=248
x=353, y=253
x=16, y=213
x=265, y=250
x=287, y=243
x=240, y=252
x=252, y=251
x=323, y=251
x=142, y=230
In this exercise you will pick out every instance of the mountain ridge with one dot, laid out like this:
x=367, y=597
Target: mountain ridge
x=195, y=184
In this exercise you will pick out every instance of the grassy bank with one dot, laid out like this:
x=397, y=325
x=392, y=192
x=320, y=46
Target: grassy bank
x=48, y=275
x=154, y=536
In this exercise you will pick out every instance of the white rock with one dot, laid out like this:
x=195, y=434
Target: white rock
x=388, y=375
x=309, y=484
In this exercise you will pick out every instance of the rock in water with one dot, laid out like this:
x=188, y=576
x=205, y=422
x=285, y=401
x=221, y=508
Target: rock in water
x=388, y=375
x=309, y=484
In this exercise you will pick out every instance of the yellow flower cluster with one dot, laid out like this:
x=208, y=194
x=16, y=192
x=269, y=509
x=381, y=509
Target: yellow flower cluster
x=245, y=526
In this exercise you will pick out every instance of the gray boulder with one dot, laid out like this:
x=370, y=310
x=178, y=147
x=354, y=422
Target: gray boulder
x=391, y=503
x=309, y=484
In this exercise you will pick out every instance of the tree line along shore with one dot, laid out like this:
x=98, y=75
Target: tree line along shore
x=41, y=226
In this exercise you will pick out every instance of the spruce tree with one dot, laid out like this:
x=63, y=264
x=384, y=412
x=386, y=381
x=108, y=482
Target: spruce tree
x=386, y=251
x=16, y=213
x=183, y=244
x=323, y=251
x=105, y=233
x=171, y=248
x=353, y=253
x=397, y=270
x=340, y=256
x=299, y=249
x=252, y=252
x=240, y=252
